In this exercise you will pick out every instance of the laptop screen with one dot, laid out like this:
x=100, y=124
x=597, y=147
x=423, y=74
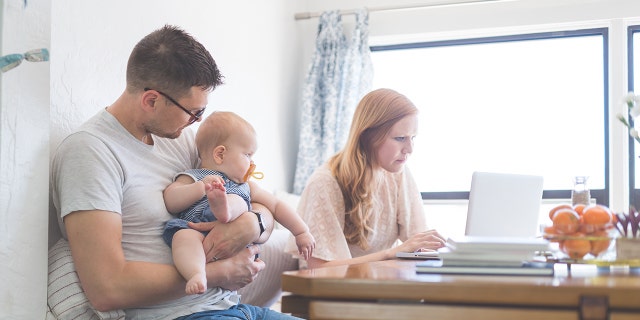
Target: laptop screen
x=504, y=205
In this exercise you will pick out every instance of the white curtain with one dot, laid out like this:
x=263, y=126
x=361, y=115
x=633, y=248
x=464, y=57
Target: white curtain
x=341, y=73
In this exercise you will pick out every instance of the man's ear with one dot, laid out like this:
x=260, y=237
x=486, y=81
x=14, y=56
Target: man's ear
x=218, y=154
x=149, y=99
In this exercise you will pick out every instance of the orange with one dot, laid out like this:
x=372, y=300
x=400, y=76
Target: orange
x=579, y=208
x=577, y=246
x=566, y=221
x=588, y=228
x=558, y=207
x=551, y=234
x=597, y=216
x=550, y=230
x=600, y=245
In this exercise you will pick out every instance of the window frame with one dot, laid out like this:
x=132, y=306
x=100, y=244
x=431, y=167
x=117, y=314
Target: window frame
x=634, y=193
x=601, y=196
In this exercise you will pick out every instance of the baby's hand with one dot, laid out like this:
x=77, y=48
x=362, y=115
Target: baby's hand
x=213, y=180
x=306, y=243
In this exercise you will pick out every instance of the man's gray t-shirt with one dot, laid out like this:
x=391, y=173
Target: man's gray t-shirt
x=103, y=167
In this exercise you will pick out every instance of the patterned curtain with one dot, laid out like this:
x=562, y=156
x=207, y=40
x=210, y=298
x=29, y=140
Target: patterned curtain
x=340, y=74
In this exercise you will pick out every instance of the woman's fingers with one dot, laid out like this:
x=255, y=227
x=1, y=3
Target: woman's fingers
x=433, y=235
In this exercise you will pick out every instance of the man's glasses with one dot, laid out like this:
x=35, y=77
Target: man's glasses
x=11, y=61
x=194, y=116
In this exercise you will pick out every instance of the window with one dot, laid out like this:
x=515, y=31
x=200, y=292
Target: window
x=634, y=73
x=532, y=104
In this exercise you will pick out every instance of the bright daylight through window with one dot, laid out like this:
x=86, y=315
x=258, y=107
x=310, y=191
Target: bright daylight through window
x=531, y=104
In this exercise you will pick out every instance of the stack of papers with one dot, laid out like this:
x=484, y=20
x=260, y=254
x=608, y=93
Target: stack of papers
x=501, y=251
x=490, y=255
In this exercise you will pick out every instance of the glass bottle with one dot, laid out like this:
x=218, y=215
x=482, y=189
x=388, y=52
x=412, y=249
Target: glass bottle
x=580, y=193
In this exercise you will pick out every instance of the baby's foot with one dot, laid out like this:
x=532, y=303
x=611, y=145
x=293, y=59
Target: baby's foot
x=197, y=284
x=217, y=196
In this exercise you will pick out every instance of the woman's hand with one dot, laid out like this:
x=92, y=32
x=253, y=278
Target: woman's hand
x=429, y=240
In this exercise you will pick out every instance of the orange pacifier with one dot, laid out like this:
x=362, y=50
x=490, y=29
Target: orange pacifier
x=250, y=173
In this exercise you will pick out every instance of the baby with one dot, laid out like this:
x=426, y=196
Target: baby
x=219, y=190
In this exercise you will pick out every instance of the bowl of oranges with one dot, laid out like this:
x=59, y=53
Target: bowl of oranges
x=581, y=231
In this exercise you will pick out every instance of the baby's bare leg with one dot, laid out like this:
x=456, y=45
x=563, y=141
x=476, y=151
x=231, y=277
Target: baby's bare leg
x=190, y=260
x=217, y=196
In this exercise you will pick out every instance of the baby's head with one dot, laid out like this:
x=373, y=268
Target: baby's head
x=226, y=142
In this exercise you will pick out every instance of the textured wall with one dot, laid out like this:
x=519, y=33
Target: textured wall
x=24, y=162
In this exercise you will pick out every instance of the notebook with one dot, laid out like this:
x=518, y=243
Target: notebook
x=524, y=269
x=476, y=244
x=504, y=205
x=478, y=251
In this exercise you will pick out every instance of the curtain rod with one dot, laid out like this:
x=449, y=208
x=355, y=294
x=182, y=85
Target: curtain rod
x=309, y=15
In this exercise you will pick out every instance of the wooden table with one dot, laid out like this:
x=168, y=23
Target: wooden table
x=392, y=290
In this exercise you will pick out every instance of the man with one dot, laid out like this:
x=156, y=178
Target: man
x=108, y=179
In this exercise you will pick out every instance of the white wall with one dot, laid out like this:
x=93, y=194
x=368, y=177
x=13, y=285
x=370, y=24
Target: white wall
x=24, y=162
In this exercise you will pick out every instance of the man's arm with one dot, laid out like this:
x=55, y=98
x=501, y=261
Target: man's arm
x=240, y=270
x=109, y=281
x=227, y=239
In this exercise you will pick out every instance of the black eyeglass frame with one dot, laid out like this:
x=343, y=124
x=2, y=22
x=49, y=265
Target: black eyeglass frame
x=194, y=116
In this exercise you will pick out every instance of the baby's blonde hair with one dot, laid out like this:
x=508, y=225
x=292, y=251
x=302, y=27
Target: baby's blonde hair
x=217, y=128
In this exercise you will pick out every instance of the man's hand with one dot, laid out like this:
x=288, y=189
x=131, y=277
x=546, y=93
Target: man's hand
x=227, y=239
x=236, y=272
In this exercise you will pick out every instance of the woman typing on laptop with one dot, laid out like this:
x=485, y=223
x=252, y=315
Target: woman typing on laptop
x=364, y=199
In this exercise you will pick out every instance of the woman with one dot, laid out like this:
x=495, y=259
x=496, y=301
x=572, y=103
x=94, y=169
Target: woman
x=363, y=200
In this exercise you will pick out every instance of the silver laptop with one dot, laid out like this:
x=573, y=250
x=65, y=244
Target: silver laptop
x=500, y=205
x=504, y=205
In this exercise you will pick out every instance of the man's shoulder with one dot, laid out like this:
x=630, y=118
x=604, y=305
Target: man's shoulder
x=88, y=132
x=78, y=141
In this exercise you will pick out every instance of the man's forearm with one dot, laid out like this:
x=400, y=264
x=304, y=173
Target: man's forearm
x=109, y=280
